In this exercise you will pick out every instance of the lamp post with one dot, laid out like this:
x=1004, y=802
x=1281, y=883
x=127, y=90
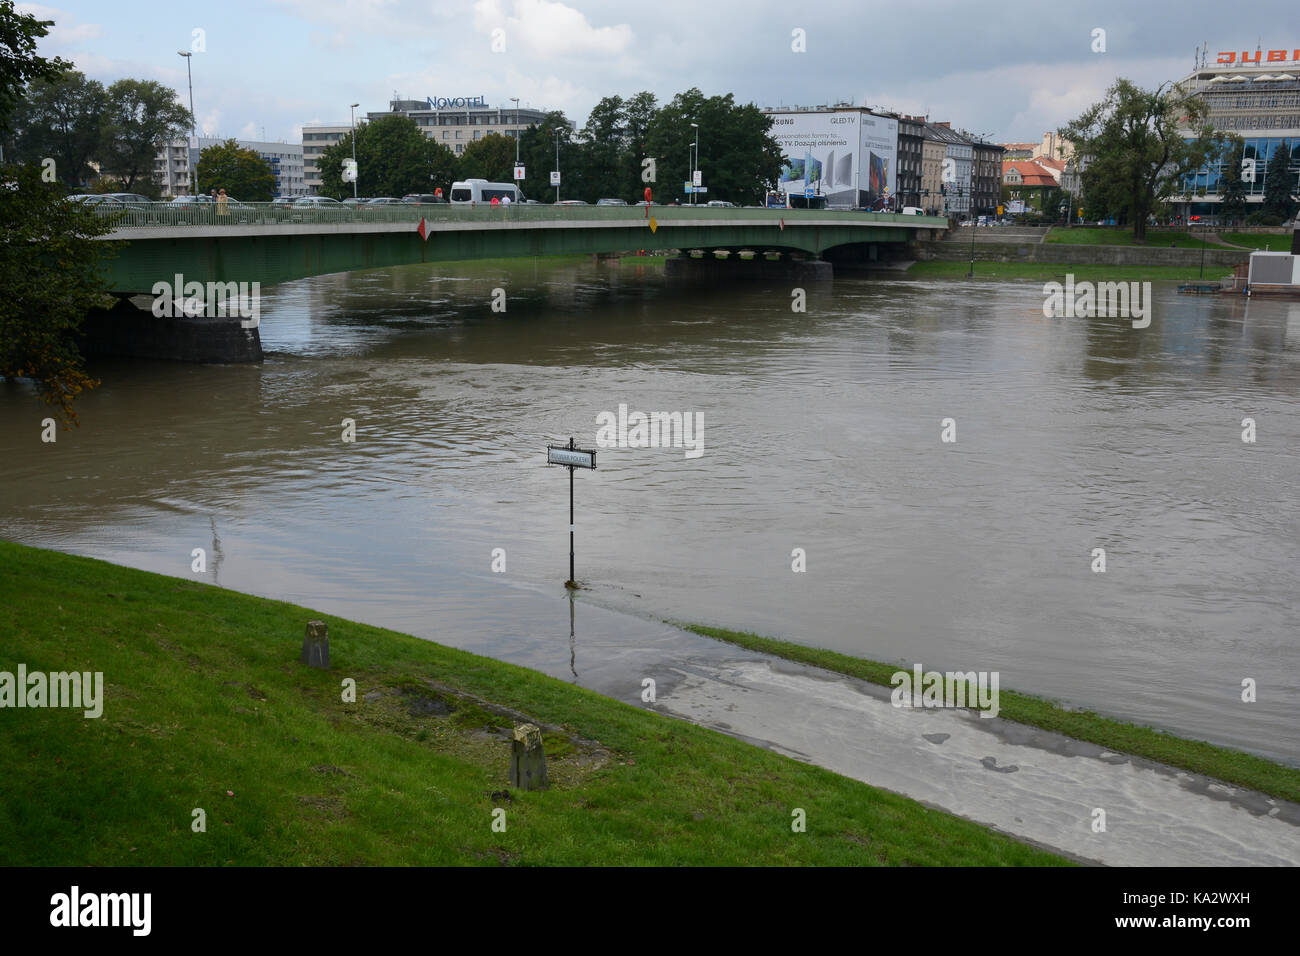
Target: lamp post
x=355, y=177
x=515, y=100
x=696, y=162
x=189, y=76
x=557, y=163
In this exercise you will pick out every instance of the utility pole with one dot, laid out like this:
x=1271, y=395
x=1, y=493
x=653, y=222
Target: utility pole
x=354, y=149
x=194, y=172
x=515, y=100
x=557, y=191
x=696, y=163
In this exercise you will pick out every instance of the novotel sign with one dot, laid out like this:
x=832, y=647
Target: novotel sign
x=454, y=102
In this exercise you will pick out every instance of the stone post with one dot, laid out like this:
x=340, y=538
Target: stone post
x=527, y=761
x=316, y=645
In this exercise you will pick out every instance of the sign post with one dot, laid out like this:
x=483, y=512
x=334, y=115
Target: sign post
x=570, y=457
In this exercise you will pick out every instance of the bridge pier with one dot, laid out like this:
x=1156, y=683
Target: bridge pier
x=711, y=268
x=134, y=332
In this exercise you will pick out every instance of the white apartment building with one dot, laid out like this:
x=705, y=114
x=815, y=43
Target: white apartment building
x=175, y=162
x=314, y=140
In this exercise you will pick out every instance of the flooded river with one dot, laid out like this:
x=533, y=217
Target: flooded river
x=821, y=432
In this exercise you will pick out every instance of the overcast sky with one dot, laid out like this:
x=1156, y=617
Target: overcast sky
x=1008, y=70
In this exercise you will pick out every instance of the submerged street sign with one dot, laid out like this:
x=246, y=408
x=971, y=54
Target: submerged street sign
x=571, y=457
x=574, y=457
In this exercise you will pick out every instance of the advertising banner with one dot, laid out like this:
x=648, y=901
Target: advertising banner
x=846, y=159
x=821, y=155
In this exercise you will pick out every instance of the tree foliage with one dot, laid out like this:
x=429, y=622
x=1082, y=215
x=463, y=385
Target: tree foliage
x=142, y=116
x=1280, y=183
x=242, y=173
x=51, y=271
x=1139, y=144
x=394, y=158
x=19, y=64
x=62, y=119
x=1232, y=192
x=491, y=158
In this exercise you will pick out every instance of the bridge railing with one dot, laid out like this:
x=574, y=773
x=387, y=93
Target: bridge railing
x=269, y=214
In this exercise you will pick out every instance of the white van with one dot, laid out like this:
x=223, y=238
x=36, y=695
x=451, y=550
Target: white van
x=482, y=191
x=912, y=211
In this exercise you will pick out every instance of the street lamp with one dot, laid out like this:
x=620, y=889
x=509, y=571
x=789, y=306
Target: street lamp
x=515, y=100
x=557, y=164
x=194, y=173
x=355, y=177
x=696, y=163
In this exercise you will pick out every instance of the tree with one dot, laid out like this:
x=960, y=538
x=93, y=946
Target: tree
x=50, y=269
x=537, y=152
x=1140, y=144
x=62, y=119
x=638, y=114
x=19, y=64
x=242, y=173
x=142, y=116
x=491, y=158
x=1280, y=183
x=394, y=158
x=1232, y=206
x=604, y=145
x=737, y=155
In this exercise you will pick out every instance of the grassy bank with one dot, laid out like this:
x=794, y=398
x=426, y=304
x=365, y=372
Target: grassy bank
x=1230, y=766
x=206, y=706
x=1114, y=236
x=1266, y=242
x=1048, y=271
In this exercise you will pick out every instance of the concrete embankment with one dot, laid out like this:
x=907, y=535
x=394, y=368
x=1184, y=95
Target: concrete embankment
x=1029, y=250
x=133, y=332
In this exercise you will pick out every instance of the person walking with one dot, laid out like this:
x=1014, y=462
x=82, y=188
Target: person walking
x=223, y=208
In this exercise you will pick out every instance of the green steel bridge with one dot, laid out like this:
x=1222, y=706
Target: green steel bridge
x=261, y=242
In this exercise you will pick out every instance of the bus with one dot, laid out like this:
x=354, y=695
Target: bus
x=481, y=191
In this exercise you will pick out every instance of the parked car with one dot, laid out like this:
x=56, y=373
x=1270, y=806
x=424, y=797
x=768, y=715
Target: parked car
x=421, y=199
x=572, y=202
x=720, y=204
x=355, y=202
x=285, y=201
x=317, y=201
x=611, y=202
x=384, y=201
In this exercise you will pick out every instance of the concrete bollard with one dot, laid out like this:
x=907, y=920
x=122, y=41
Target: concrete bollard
x=527, y=761
x=316, y=645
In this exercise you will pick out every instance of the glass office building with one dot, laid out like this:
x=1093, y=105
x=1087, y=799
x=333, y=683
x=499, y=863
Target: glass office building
x=1256, y=95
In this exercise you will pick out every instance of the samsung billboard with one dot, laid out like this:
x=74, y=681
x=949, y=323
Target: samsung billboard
x=846, y=157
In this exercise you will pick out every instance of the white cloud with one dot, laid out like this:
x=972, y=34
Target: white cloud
x=66, y=31
x=550, y=29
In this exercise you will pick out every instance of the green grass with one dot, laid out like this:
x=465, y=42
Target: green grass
x=1230, y=766
x=1047, y=271
x=1116, y=236
x=204, y=694
x=1274, y=242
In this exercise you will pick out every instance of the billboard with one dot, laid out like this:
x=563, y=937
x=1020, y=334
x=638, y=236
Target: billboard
x=848, y=158
x=879, y=148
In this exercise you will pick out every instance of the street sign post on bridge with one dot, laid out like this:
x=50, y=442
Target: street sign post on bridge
x=570, y=457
